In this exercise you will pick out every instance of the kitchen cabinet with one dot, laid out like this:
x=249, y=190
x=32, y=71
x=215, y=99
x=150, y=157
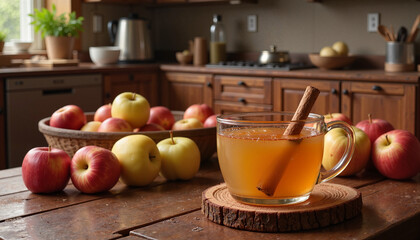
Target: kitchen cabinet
x=288, y=92
x=242, y=94
x=2, y=127
x=144, y=83
x=391, y=101
x=180, y=90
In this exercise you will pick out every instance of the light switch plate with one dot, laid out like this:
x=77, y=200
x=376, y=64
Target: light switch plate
x=252, y=23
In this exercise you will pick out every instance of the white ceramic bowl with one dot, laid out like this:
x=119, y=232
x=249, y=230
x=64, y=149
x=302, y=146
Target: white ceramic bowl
x=21, y=46
x=104, y=55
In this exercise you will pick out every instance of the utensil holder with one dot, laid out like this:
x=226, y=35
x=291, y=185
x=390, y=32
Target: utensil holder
x=399, y=57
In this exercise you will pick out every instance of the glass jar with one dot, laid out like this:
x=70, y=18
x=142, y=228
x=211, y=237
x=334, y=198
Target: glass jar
x=217, y=40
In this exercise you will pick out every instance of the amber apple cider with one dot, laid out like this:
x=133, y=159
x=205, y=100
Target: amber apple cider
x=247, y=155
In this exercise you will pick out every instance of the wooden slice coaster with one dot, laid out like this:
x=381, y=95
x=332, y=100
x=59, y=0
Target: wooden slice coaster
x=328, y=204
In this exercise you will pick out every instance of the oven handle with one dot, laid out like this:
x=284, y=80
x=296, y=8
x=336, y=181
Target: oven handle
x=57, y=91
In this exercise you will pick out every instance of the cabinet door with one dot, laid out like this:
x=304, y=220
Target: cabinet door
x=288, y=92
x=2, y=128
x=392, y=102
x=181, y=90
x=145, y=84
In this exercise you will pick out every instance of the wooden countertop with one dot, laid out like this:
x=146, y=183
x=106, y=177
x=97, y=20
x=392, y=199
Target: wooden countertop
x=376, y=75
x=171, y=210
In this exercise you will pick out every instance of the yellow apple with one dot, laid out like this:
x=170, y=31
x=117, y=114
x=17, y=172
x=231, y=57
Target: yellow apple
x=327, y=52
x=335, y=142
x=180, y=158
x=341, y=48
x=91, y=126
x=139, y=158
x=188, y=123
x=132, y=107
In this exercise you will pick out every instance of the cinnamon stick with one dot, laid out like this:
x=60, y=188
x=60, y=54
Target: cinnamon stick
x=269, y=182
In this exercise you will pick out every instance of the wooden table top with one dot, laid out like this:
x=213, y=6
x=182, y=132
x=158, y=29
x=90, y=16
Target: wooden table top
x=172, y=210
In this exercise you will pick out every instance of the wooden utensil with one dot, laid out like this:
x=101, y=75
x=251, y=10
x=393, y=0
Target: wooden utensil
x=269, y=182
x=414, y=30
x=384, y=32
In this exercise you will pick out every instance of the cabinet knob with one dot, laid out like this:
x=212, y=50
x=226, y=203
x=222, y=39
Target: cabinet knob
x=107, y=95
x=241, y=83
x=242, y=100
x=208, y=84
x=376, y=88
x=334, y=91
x=345, y=91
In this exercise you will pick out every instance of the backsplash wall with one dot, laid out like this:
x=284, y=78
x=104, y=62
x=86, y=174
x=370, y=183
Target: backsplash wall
x=294, y=25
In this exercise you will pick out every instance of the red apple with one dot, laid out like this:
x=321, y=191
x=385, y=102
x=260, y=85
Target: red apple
x=115, y=125
x=396, y=154
x=198, y=111
x=374, y=127
x=336, y=117
x=69, y=117
x=46, y=170
x=94, y=169
x=186, y=124
x=102, y=113
x=211, y=121
x=151, y=127
x=162, y=116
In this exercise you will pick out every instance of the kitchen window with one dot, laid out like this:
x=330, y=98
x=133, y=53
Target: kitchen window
x=15, y=22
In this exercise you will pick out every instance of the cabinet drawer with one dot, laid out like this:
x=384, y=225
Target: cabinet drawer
x=375, y=88
x=222, y=107
x=243, y=89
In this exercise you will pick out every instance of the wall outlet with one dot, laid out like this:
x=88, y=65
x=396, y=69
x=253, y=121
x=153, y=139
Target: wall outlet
x=252, y=23
x=372, y=22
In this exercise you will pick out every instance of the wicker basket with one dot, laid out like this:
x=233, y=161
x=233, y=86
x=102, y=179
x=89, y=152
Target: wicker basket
x=72, y=140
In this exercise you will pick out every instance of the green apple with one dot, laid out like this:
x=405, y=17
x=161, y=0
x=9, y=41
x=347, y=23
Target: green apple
x=180, y=158
x=335, y=142
x=341, y=48
x=327, y=52
x=132, y=107
x=140, y=159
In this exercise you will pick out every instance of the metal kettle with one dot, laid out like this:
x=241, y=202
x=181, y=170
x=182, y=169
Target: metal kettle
x=132, y=35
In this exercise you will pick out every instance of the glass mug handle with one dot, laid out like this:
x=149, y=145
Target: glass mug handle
x=326, y=175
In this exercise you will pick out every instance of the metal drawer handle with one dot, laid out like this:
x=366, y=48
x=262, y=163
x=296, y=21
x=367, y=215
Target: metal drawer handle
x=208, y=84
x=376, y=88
x=345, y=91
x=334, y=91
x=241, y=83
x=242, y=100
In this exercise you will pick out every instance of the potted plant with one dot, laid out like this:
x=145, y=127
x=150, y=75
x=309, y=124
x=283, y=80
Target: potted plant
x=2, y=38
x=59, y=31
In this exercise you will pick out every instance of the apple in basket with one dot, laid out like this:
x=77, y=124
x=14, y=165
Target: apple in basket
x=91, y=126
x=115, y=125
x=162, y=116
x=102, y=113
x=186, y=124
x=151, y=127
x=46, y=170
x=69, y=117
x=139, y=158
x=198, y=111
x=94, y=169
x=211, y=121
x=132, y=107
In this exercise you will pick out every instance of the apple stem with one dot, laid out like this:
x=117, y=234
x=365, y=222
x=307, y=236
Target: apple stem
x=387, y=140
x=49, y=148
x=330, y=115
x=133, y=96
x=171, y=134
x=370, y=118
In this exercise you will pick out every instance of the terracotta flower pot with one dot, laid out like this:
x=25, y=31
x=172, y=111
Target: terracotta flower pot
x=59, y=47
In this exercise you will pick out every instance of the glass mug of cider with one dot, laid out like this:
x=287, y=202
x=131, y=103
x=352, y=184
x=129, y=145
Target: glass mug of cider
x=263, y=165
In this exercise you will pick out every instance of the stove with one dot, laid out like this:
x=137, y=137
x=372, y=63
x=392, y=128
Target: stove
x=257, y=65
